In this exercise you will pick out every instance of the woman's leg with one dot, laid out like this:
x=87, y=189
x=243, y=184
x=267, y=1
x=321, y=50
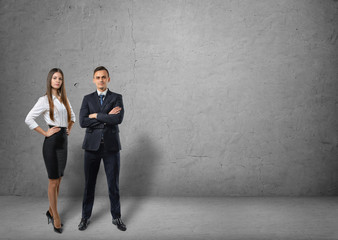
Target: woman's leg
x=58, y=187
x=52, y=196
x=57, y=195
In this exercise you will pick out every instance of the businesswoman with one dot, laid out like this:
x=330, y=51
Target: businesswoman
x=59, y=116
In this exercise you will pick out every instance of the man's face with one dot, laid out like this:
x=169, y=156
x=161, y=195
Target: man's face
x=101, y=80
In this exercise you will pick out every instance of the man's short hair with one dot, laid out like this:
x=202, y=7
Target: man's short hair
x=100, y=68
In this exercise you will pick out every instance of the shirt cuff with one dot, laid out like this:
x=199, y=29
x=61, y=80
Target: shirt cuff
x=33, y=125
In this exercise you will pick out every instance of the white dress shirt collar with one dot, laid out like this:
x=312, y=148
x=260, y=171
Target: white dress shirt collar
x=54, y=97
x=102, y=93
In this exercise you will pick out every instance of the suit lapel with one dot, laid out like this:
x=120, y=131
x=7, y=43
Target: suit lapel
x=96, y=101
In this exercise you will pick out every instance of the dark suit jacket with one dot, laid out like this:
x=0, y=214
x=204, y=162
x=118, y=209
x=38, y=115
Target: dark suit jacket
x=106, y=124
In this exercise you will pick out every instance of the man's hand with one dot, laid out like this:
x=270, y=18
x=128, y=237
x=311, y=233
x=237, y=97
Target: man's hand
x=93, y=115
x=115, y=110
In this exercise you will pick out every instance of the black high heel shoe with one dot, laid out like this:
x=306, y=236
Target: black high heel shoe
x=49, y=217
x=57, y=230
x=51, y=220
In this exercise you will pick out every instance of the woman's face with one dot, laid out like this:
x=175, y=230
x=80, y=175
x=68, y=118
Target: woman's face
x=56, y=81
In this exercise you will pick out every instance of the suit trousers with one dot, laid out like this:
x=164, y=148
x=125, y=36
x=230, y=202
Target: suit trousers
x=111, y=161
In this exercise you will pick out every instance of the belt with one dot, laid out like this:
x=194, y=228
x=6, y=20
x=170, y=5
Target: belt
x=62, y=128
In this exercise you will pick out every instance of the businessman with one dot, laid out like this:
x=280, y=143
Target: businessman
x=101, y=113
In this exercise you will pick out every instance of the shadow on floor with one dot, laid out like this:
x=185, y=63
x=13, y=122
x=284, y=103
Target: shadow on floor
x=138, y=165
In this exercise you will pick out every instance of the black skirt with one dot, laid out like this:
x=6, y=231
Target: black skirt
x=54, y=152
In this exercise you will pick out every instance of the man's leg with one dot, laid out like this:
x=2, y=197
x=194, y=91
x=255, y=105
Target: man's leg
x=111, y=162
x=92, y=161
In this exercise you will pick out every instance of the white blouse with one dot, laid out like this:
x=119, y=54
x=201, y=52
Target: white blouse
x=42, y=107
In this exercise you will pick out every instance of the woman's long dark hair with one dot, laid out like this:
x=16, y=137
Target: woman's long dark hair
x=61, y=92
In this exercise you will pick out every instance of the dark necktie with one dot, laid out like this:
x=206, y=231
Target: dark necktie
x=101, y=99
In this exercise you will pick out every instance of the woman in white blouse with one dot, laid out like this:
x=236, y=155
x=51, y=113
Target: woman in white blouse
x=60, y=117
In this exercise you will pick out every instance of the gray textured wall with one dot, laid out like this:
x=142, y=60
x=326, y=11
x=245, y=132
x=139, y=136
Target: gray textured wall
x=221, y=97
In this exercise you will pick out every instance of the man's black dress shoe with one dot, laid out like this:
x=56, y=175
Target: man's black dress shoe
x=83, y=224
x=120, y=225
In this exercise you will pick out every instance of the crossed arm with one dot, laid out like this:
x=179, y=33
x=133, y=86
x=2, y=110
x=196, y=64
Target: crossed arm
x=115, y=110
x=97, y=120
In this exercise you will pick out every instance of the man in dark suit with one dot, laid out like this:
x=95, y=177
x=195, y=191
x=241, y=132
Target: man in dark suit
x=101, y=113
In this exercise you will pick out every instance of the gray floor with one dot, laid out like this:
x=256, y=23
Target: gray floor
x=177, y=218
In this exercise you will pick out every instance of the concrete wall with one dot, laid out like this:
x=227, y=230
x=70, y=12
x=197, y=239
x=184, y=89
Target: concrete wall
x=222, y=98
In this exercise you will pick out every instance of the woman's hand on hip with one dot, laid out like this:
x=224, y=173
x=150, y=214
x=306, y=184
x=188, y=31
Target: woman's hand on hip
x=69, y=128
x=52, y=131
